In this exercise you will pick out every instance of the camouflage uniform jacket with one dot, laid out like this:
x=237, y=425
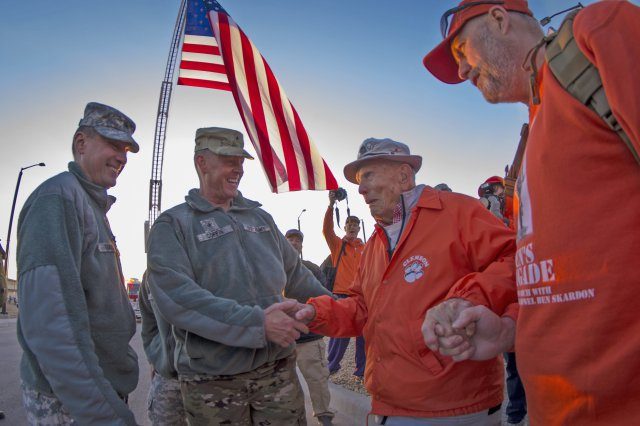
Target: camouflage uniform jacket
x=75, y=319
x=211, y=273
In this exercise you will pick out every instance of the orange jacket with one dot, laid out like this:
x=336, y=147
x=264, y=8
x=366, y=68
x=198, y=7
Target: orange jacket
x=451, y=247
x=350, y=258
x=578, y=335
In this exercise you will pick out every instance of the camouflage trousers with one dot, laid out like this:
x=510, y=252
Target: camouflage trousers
x=165, y=402
x=44, y=410
x=269, y=395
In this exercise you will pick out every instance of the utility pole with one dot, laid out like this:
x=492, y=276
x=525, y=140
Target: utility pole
x=303, y=210
x=13, y=209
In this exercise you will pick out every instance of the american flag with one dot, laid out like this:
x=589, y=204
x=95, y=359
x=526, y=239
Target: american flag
x=217, y=54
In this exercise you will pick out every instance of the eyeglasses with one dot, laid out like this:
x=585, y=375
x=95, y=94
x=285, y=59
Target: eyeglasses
x=444, y=20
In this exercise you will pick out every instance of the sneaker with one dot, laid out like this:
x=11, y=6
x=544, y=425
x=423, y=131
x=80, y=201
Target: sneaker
x=516, y=422
x=325, y=420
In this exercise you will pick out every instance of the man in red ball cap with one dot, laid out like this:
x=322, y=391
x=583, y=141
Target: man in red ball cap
x=578, y=337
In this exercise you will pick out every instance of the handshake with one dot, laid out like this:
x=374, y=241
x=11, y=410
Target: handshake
x=285, y=321
x=462, y=331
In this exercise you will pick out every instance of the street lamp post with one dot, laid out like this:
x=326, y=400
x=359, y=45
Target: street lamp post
x=303, y=210
x=13, y=209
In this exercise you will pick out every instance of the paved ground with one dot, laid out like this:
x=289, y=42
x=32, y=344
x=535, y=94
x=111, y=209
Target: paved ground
x=349, y=402
x=10, y=396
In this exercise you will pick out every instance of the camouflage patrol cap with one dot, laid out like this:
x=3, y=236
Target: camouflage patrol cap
x=221, y=141
x=110, y=123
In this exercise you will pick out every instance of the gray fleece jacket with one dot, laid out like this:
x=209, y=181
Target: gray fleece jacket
x=157, y=335
x=211, y=274
x=75, y=318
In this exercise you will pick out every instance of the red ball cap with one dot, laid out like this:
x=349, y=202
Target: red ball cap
x=440, y=62
x=487, y=183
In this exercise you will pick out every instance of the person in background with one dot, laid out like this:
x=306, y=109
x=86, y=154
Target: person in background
x=164, y=402
x=311, y=350
x=442, y=187
x=346, y=253
x=491, y=194
x=3, y=289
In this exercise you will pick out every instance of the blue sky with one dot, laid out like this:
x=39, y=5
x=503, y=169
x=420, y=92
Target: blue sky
x=352, y=69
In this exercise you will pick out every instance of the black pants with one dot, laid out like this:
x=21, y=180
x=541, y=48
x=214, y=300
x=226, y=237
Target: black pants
x=517, y=406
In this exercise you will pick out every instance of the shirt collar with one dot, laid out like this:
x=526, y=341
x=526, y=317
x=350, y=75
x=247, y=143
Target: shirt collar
x=197, y=202
x=410, y=198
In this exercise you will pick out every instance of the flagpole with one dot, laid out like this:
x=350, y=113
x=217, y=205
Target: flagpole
x=155, y=184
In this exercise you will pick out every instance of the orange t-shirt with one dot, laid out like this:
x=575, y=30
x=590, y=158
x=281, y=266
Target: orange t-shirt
x=578, y=334
x=349, y=260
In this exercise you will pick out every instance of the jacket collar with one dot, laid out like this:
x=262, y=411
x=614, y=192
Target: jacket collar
x=430, y=199
x=199, y=203
x=96, y=192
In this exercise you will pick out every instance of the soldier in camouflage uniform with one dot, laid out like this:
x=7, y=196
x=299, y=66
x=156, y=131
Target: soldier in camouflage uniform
x=217, y=268
x=45, y=410
x=164, y=406
x=164, y=402
x=268, y=395
x=76, y=320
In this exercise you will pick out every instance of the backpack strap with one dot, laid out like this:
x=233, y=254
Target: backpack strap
x=578, y=76
x=344, y=243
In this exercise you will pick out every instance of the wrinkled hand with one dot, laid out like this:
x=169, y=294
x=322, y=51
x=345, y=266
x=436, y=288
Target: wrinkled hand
x=299, y=311
x=289, y=306
x=493, y=335
x=279, y=325
x=438, y=323
x=306, y=314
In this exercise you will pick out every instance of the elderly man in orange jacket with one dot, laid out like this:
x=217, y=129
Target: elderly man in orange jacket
x=428, y=246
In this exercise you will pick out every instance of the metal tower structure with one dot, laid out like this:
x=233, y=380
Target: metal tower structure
x=155, y=184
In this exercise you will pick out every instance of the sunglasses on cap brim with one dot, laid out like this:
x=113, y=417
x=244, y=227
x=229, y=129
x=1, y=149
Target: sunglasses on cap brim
x=444, y=19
